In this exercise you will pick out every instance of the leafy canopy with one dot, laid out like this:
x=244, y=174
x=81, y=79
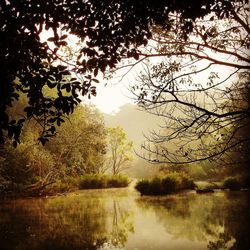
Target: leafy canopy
x=109, y=31
x=200, y=86
x=78, y=148
x=119, y=153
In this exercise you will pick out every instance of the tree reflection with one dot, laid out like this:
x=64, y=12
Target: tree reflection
x=120, y=233
x=106, y=219
x=72, y=222
x=221, y=220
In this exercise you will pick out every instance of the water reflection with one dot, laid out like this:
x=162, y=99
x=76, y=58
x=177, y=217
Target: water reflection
x=121, y=219
x=222, y=220
x=82, y=221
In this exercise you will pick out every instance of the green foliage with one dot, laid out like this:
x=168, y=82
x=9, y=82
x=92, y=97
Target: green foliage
x=187, y=182
x=166, y=184
x=156, y=186
x=169, y=184
x=195, y=130
x=198, y=171
x=206, y=185
x=119, y=150
x=80, y=143
x=143, y=186
x=38, y=64
x=118, y=181
x=66, y=184
x=79, y=147
x=232, y=183
x=94, y=181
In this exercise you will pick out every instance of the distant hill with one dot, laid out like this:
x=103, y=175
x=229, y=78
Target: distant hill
x=136, y=123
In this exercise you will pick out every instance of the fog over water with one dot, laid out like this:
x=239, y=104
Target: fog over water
x=121, y=219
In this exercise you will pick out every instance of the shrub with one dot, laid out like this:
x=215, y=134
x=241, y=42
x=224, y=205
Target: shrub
x=142, y=186
x=117, y=181
x=187, y=182
x=232, y=183
x=167, y=184
x=155, y=186
x=58, y=187
x=95, y=181
x=65, y=185
x=92, y=181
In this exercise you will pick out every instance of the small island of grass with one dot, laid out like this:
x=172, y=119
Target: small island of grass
x=167, y=184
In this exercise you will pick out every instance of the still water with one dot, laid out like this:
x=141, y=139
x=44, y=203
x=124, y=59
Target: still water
x=121, y=219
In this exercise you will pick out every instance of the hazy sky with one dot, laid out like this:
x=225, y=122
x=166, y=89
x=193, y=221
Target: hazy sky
x=114, y=93
x=111, y=97
x=111, y=94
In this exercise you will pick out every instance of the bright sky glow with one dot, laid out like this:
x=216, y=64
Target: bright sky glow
x=111, y=96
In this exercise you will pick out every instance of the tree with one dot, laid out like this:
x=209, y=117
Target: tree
x=78, y=147
x=80, y=143
x=108, y=31
x=200, y=85
x=238, y=133
x=120, y=150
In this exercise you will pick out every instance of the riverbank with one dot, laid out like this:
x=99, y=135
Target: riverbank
x=65, y=185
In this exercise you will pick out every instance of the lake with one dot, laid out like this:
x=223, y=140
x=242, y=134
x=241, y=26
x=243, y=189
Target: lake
x=122, y=219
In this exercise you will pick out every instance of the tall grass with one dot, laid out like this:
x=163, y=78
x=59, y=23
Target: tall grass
x=94, y=181
x=167, y=184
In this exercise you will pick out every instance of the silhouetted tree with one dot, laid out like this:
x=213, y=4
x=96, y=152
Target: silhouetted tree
x=200, y=85
x=108, y=31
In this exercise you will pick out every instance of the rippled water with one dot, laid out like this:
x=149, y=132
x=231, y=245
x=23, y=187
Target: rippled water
x=121, y=219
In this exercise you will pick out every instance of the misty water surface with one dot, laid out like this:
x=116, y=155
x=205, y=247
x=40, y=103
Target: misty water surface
x=121, y=219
